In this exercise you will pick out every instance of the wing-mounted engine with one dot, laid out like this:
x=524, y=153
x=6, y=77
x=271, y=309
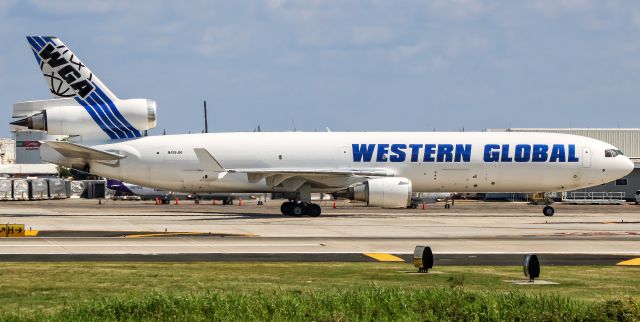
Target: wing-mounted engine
x=115, y=120
x=390, y=192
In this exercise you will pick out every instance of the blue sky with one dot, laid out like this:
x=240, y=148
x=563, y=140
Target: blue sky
x=346, y=65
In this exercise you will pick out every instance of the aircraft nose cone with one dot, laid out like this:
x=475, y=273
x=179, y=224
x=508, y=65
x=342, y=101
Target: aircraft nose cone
x=624, y=166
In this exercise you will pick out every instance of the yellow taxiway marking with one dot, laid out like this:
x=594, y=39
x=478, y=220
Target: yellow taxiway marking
x=383, y=257
x=630, y=262
x=184, y=234
x=31, y=233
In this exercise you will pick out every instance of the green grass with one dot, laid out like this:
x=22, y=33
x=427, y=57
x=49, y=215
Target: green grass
x=365, y=303
x=320, y=290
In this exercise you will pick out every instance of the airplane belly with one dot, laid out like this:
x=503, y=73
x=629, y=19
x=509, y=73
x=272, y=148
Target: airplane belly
x=202, y=181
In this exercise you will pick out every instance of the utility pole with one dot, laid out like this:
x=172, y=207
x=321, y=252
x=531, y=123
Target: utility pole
x=206, y=123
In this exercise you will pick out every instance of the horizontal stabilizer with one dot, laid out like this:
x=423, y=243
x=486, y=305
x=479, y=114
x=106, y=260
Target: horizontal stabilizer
x=24, y=109
x=72, y=150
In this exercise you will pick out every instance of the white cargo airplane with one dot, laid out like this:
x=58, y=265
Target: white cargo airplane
x=379, y=168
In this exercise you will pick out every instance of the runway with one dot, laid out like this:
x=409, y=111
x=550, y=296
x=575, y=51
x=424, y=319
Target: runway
x=471, y=233
x=439, y=259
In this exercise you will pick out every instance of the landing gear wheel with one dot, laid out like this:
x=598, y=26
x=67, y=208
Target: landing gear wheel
x=297, y=210
x=548, y=211
x=285, y=208
x=447, y=206
x=314, y=210
x=413, y=206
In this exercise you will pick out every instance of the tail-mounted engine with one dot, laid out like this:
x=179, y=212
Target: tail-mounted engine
x=119, y=120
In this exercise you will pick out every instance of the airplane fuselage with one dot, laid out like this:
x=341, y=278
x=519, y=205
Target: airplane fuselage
x=433, y=161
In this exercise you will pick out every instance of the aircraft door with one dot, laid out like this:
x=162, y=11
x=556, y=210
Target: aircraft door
x=586, y=157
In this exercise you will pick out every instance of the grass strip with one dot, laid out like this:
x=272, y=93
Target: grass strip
x=360, y=304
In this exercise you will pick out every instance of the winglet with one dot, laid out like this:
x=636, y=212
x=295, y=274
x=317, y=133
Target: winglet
x=207, y=161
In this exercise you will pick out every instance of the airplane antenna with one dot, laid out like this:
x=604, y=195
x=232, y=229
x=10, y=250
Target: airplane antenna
x=206, y=123
x=294, y=125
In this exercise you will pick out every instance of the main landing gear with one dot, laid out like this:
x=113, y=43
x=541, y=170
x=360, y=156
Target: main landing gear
x=548, y=211
x=298, y=209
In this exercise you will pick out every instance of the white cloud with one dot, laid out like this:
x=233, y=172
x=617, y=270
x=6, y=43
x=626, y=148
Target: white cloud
x=403, y=52
x=459, y=45
x=635, y=17
x=77, y=7
x=274, y=4
x=554, y=8
x=371, y=35
x=216, y=40
x=458, y=9
x=6, y=4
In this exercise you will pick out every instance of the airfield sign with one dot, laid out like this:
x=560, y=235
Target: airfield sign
x=12, y=230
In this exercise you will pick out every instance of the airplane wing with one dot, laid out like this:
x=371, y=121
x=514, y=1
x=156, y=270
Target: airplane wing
x=355, y=172
x=293, y=177
x=72, y=150
x=211, y=164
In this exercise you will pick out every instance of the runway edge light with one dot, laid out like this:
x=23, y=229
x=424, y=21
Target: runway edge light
x=531, y=267
x=423, y=258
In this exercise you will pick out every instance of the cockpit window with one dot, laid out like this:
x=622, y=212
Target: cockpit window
x=612, y=153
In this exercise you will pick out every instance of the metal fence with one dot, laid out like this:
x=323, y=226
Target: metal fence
x=593, y=197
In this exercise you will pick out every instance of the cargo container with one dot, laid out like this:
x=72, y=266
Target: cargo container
x=75, y=188
x=57, y=188
x=38, y=189
x=20, y=189
x=96, y=189
x=6, y=189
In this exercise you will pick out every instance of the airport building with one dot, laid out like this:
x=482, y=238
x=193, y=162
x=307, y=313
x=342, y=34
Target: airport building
x=7, y=151
x=625, y=139
x=20, y=156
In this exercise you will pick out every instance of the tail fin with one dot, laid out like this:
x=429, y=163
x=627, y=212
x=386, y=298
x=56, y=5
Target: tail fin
x=64, y=72
x=68, y=77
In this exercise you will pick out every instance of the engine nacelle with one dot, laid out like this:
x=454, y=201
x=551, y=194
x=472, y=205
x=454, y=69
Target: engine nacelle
x=75, y=120
x=392, y=192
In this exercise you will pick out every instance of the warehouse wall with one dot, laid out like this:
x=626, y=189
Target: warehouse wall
x=627, y=140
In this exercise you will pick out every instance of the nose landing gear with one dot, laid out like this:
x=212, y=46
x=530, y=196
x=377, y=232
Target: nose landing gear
x=548, y=211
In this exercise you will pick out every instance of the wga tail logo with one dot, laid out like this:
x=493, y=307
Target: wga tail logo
x=67, y=71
